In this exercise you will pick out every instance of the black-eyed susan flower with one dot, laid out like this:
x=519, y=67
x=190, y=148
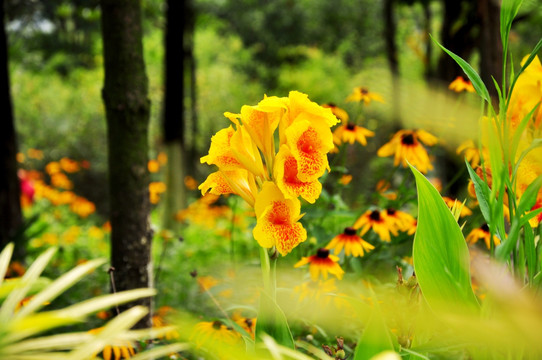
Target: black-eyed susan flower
x=350, y=133
x=322, y=263
x=277, y=220
x=482, y=233
x=406, y=145
x=345, y=179
x=116, y=351
x=248, y=324
x=465, y=211
x=403, y=221
x=159, y=321
x=337, y=111
x=362, y=94
x=379, y=222
x=382, y=187
x=352, y=243
x=213, y=332
x=471, y=152
x=460, y=85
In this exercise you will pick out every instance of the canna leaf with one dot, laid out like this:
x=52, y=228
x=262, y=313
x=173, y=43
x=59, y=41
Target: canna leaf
x=272, y=321
x=440, y=253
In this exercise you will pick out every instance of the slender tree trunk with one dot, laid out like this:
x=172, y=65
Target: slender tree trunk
x=174, y=119
x=490, y=44
x=460, y=40
x=390, y=30
x=127, y=106
x=10, y=206
x=189, y=68
x=428, y=17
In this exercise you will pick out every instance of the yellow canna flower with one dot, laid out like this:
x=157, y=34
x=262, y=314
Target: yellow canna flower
x=220, y=151
x=286, y=178
x=238, y=181
x=309, y=142
x=277, y=220
x=527, y=94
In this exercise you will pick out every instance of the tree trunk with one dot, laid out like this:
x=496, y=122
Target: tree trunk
x=189, y=66
x=174, y=119
x=490, y=44
x=460, y=40
x=127, y=106
x=10, y=206
x=390, y=30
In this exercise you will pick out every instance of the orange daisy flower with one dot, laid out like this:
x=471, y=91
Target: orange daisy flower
x=337, y=111
x=323, y=262
x=363, y=94
x=352, y=243
x=460, y=85
x=482, y=233
x=406, y=145
x=350, y=133
x=379, y=222
x=402, y=220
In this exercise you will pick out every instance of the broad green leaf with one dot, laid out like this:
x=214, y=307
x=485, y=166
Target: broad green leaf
x=161, y=351
x=477, y=82
x=440, y=253
x=272, y=321
x=374, y=339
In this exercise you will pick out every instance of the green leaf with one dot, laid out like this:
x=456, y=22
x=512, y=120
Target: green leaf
x=440, y=253
x=509, y=10
x=530, y=251
x=528, y=199
x=482, y=192
x=473, y=76
x=272, y=321
x=374, y=339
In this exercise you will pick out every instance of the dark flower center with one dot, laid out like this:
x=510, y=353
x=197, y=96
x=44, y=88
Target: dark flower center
x=364, y=91
x=322, y=253
x=349, y=231
x=391, y=211
x=350, y=126
x=375, y=215
x=485, y=228
x=217, y=324
x=331, y=105
x=407, y=139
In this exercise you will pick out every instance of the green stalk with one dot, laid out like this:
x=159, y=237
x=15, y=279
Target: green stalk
x=268, y=273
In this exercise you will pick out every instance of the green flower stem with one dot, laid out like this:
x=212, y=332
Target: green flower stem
x=268, y=273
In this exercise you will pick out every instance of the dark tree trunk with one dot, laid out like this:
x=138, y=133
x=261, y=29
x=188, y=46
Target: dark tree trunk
x=490, y=44
x=174, y=114
x=127, y=106
x=460, y=40
x=428, y=18
x=174, y=86
x=390, y=31
x=189, y=68
x=10, y=206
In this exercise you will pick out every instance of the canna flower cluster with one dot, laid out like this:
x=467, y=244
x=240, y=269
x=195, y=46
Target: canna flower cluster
x=272, y=171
